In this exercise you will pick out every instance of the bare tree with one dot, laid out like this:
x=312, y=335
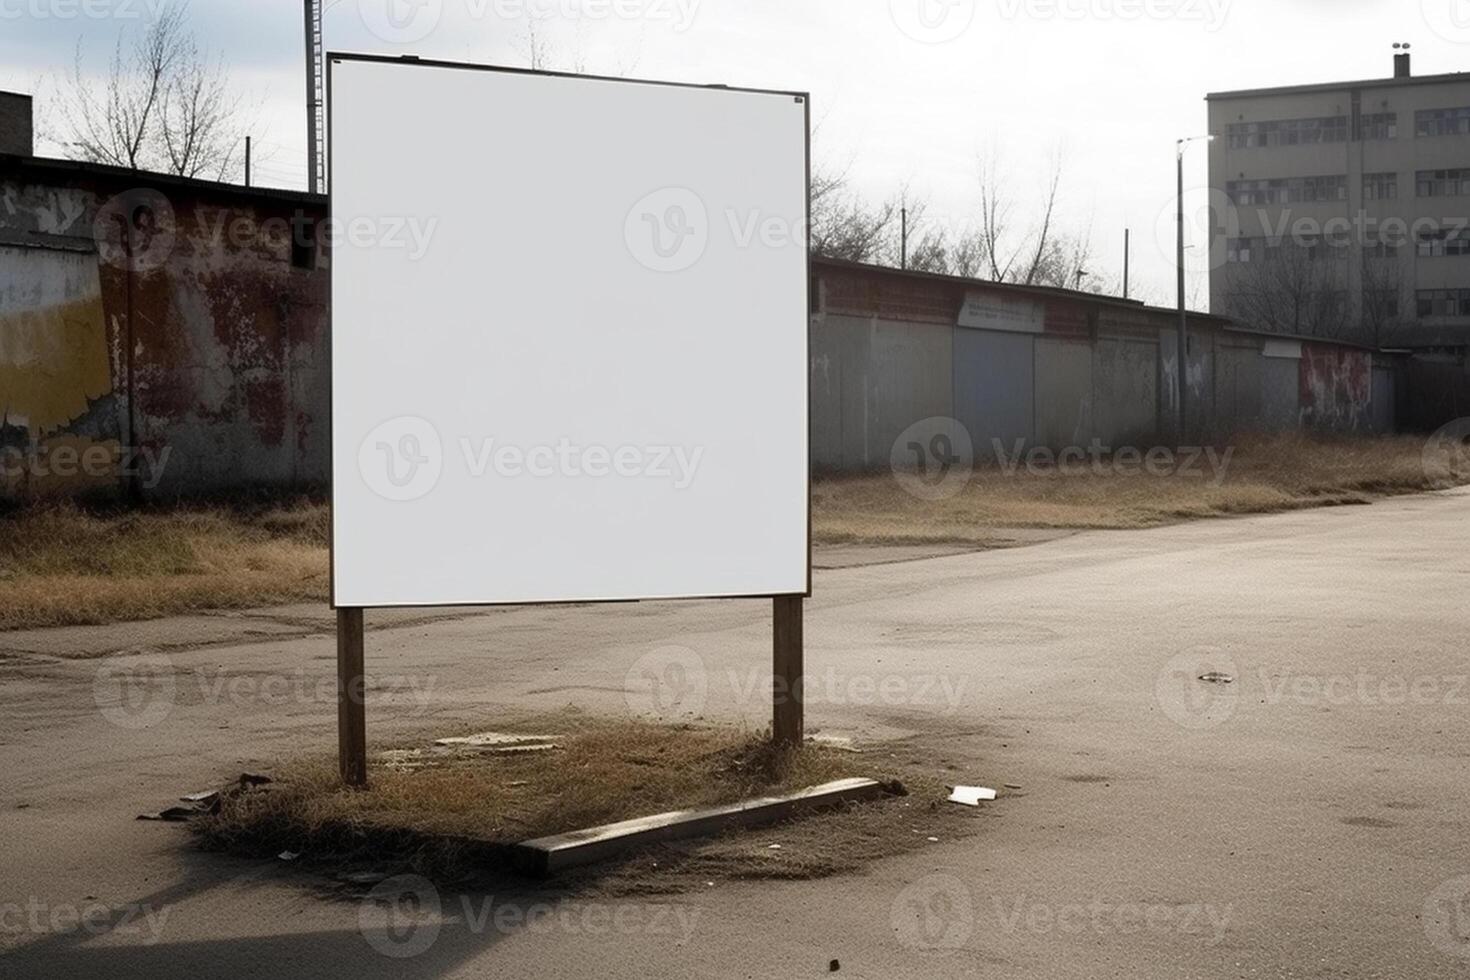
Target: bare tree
x=164, y=105
x=1038, y=254
x=1289, y=287
x=844, y=226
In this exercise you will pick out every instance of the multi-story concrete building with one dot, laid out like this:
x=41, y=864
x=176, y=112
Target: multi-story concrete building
x=1343, y=209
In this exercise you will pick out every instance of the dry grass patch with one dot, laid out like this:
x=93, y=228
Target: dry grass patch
x=63, y=565
x=1259, y=475
x=454, y=818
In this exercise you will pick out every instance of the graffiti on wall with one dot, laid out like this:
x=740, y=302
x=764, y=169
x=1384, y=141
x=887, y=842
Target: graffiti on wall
x=1336, y=388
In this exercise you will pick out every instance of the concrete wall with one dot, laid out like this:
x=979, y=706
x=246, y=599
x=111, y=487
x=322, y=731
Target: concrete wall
x=198, y=357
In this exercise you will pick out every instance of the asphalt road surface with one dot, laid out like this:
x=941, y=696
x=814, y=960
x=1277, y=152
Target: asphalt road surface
x=1310, y=819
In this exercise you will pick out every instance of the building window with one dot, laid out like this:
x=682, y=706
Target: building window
x=1380, y=187
x=1443, y=183
x=1287, y=132
x=1443, y=302
x=1442, y=122
x=1433, y=244
x=1379, y=126
x=1287, y=190
x=1316, y=248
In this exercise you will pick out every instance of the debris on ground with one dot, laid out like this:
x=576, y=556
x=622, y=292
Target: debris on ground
x=500, y=743
x=202, y=798
x=248, y=779
x=289, y=855
x=1215, y=677
x=970, y=795
x=834, y=966
x=1013, y=786
x=173, y=814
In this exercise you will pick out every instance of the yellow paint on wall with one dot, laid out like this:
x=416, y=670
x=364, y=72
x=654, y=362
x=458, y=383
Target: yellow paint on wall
x=53, y=360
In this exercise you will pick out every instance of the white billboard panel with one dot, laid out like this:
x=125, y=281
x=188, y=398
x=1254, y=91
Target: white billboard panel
x=569, y=337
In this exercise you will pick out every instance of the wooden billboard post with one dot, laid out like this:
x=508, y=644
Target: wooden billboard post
x=787, y=693
x=786, y=720
x=351, y=699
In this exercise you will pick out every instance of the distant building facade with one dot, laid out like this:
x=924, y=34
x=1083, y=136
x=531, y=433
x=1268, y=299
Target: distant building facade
x=1343, y=210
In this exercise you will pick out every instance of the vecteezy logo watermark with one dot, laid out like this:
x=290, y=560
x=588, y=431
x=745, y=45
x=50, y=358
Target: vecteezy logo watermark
x=1195, y=688
x=830, y=686
x=670, y=682
x=1209, y=216
x=932, y=21
x=401, y=21
x=1446, y=457
x=933, y=458
x=668, y=231
x=403, y=917
x=145, y=465
x=137, y=691
x=935, y=914
x=140, y=922
x=1367, y=688
x=1101, y=917
x=1449, y=19
x=1096, y=459
x=402, y=459
x=135, y=230
x=1447, y=917
x=1210, y=13
x=80, y=9
x=410, y=234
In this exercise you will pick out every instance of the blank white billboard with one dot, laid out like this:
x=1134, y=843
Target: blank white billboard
x=569, y=337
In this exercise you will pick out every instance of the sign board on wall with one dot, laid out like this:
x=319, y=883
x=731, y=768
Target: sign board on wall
x=569, y=337
x=986, y=311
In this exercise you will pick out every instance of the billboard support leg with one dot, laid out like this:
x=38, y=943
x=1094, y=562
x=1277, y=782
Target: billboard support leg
x=786, y=722
x=351, y=689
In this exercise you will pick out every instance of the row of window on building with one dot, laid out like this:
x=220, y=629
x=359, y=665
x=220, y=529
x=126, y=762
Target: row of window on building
x=1336, y=129
x=1383, y=304
x=1428, y=244
x=1450, y=182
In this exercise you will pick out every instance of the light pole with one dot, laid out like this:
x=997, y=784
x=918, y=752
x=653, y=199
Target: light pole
x=1179, y=147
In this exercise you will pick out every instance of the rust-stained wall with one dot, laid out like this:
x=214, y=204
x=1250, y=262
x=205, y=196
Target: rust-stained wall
x=165, y=319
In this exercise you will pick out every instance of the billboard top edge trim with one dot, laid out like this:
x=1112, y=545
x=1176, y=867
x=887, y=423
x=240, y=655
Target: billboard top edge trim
x=333, y=57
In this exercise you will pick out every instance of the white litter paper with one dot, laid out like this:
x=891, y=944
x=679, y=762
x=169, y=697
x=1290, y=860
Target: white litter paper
x=971, y=795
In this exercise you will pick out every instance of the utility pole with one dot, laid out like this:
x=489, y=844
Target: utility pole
x=903, y=243
x=1127, y=254
x=315, y=96
x=247, y=161
x=1183, y=329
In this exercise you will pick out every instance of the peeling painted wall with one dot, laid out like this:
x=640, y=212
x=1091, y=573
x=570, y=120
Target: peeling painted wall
x=58, y=426
x=182, y=328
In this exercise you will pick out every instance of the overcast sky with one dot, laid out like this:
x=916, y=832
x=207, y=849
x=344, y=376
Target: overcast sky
x=909, y=92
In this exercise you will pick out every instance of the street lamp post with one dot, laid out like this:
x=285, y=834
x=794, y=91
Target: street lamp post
x=1183, y=334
